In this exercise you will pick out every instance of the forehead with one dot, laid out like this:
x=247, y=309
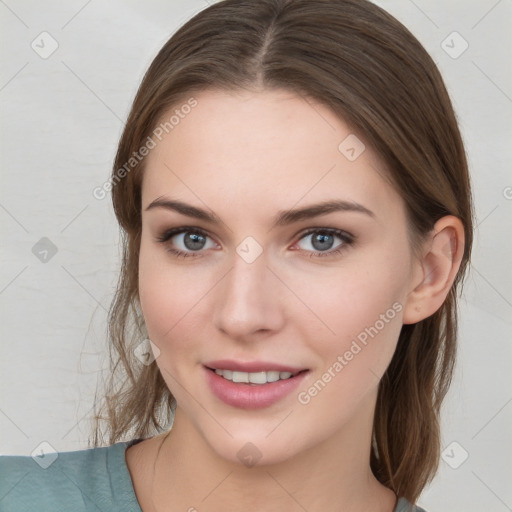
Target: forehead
x=269, y=149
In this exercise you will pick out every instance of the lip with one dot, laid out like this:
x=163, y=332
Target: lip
x=252, y=396
x=250, y=366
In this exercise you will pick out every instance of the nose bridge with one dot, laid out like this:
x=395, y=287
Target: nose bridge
x=249, y=299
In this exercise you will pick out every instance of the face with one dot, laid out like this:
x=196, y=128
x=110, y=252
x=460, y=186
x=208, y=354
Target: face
x=254, y=289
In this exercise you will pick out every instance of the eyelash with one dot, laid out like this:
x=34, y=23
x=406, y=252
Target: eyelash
x=346, y=238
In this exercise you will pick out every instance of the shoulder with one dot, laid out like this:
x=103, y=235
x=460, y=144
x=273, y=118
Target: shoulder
x=404, y=506
x=84, y=480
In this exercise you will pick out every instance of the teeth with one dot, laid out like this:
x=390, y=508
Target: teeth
x=254, y=377
x=257, y=378
x=272, y=376
x=240, y=377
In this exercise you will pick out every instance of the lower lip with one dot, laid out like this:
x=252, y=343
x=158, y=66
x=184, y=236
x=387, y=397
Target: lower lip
x=251, y=396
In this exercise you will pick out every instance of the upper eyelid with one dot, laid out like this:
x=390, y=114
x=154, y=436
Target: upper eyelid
x=169, y=233
x=335, y=231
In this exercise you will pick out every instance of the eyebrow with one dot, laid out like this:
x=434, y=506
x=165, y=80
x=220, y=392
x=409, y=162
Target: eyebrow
x=283, y=218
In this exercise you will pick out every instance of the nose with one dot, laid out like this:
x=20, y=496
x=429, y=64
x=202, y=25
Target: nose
x=249, y=300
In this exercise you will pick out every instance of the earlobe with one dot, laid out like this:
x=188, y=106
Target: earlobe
x=438, y=267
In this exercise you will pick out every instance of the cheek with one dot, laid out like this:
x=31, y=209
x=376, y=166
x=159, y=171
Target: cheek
x=360, y=308
x=167, y=295
x=365, y=313
x=352, y=299
x=168, y=300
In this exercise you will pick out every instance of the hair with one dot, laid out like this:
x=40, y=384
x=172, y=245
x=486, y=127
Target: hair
x=360, y=62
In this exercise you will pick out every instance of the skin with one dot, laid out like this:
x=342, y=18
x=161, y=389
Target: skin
x=246, y=156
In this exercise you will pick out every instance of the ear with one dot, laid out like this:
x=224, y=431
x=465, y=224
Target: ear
x=435, y=270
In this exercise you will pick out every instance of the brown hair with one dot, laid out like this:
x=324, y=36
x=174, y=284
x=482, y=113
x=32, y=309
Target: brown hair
x=364, y=65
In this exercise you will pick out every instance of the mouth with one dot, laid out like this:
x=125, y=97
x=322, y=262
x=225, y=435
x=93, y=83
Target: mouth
x=254, y=385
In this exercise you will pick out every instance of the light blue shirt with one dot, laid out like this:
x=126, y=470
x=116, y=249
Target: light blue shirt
x=90, y=480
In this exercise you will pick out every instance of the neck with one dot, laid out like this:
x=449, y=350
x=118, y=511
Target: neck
x=333, y=475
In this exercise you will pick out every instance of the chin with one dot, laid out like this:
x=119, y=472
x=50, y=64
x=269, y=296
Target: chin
x=256, y=451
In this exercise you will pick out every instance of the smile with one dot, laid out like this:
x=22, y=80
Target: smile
x=254, y=389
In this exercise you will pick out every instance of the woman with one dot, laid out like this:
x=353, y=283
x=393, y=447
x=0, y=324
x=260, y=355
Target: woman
x=294, y=197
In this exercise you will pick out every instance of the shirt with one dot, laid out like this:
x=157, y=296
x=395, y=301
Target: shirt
x=96, y=479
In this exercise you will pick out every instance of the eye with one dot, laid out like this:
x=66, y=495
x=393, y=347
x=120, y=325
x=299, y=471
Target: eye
x=322, y=240
x=185, y=241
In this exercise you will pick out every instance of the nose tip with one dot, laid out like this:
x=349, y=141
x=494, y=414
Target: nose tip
x=248, y=301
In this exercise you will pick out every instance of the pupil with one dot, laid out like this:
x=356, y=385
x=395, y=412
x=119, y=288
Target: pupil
x=194, y=241
x=322, y=241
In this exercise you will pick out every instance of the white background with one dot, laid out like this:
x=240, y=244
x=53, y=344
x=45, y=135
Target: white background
x=61, y=120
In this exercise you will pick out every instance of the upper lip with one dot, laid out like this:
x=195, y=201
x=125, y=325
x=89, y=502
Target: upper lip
x=251, y=366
